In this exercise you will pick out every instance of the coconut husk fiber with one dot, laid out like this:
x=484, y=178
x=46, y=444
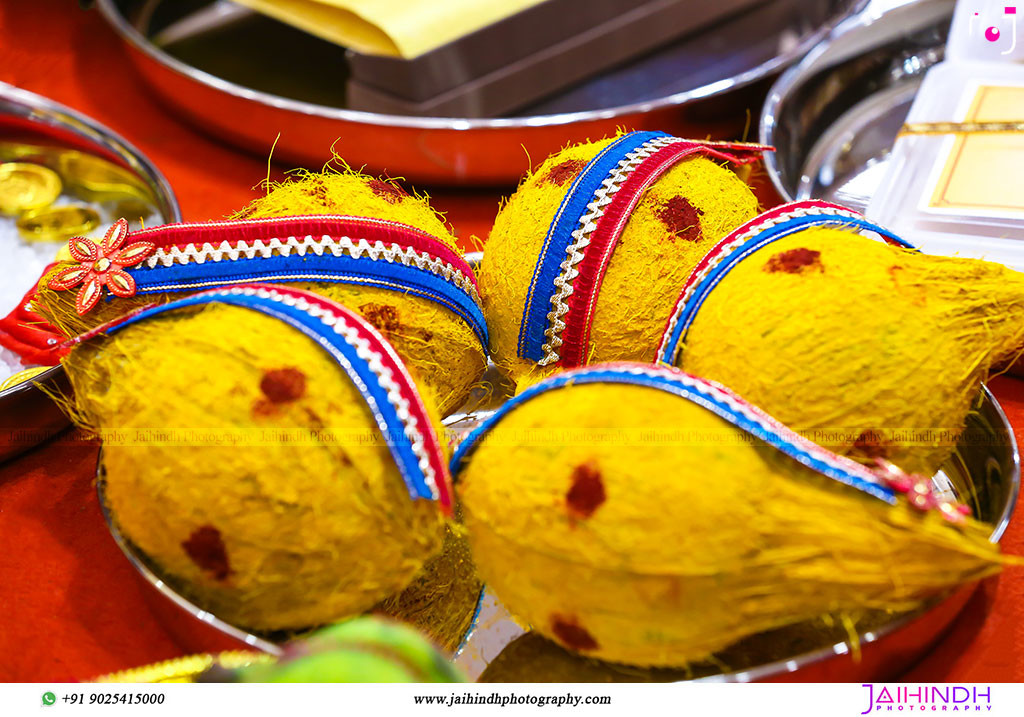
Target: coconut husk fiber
x=677, y=220
x=438, y=347
x=663, y=534
x=442, y=600
x=245, y=465
x=533, y=658
x=868, y=349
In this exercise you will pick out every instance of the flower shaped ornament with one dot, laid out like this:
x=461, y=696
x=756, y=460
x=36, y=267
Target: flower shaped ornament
x=102, y=265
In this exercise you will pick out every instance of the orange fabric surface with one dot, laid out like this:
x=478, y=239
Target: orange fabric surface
x=71, y=606
x=55, y=49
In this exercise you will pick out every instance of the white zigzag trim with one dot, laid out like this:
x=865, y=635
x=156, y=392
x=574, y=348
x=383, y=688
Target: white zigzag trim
x=727, y=249
x=373, y=360
x=339, y=246
x=581, y=240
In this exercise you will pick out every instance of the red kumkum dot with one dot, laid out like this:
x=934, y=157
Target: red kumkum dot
x=586, y=494
x=571, y=634
x=563, y=172
x=682, y=219
x=386, y=190
x=382, y=316
x=281, y=385
x=386, y=320
x=206, y=549
x=794, y=261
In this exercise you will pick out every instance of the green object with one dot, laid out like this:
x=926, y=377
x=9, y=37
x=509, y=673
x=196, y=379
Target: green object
x=49, y=698
x=366, y=649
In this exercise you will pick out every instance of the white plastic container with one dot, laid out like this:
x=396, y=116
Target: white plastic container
x=964, y=193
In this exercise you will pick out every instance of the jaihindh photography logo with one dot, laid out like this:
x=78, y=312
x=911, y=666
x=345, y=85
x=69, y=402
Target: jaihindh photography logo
x=996, y=27
x=927, y=698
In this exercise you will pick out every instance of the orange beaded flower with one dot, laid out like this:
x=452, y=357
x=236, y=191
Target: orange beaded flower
x=102, y=265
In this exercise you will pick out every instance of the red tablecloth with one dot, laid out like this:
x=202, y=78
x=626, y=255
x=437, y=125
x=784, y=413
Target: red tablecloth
x=71, y=606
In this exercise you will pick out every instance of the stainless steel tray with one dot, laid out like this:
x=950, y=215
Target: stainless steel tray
x=691, y=88
x=983, y=473
x=27, y=415
x=833, y=117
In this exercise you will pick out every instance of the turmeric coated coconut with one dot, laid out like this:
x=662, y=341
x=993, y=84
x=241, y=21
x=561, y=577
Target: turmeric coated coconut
x=871, y=349
x=438, y=346
x=247, y=467
x=603, y=259
x=623, y=520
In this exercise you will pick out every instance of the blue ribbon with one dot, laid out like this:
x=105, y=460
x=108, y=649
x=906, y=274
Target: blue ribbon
x=751, y=245
x=678, y=387
x=343, y=269
x=559, y=237
x=385, y=415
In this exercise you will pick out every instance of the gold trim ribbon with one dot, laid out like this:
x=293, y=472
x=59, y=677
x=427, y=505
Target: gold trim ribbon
x=187, y=669
x=927, y=128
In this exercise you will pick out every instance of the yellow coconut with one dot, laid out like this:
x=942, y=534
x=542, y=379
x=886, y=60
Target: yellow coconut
x=644, y=529
x=871, y=350
x=676, y=221
x=437, y=346
x=243, y=462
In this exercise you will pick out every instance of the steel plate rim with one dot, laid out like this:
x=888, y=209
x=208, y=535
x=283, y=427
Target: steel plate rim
x=53, y=114
x=792, y=76
x=769, y=112
x=132, y=36
x=1011, y=502
x=99, y=134
x=48, y=375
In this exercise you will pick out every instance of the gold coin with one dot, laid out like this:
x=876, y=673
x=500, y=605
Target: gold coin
x=57, y=223
x=25, y=186
x=96, y=180
x=134, y=210
x=21, y=377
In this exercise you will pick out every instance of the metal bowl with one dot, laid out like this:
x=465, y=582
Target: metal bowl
x=703, y=74
x=833, y=117
x=27, y=415
x=984, y=473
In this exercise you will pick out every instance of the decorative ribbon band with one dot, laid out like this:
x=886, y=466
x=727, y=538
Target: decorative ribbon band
x=318, y=248
x=884, y=483
x=365, y=356
x=583, y=234
x=742, y=242
x=961, y=128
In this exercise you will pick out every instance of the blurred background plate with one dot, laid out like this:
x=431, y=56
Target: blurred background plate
x=263, y=78
x=833, y=117
x=28, y=120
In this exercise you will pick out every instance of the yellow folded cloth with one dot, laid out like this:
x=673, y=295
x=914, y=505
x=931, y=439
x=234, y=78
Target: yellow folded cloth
x=396, y=28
